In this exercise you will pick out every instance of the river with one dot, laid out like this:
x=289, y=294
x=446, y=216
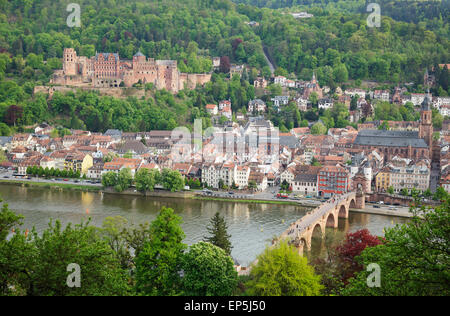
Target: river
x=252, y=226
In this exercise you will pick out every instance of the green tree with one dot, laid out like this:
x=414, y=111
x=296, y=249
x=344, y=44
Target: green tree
x=208, y=271
x=128, y=155
x=113, y=232
x=4, y=130
x=315, y=162
x=172, y=180
x=2, y=156
x=8, y=221
x=218, y=233
x=124, y=180
x=281, y=271
x=440, y=194
x=146, y=180
x=318, y=129
x=159, y=263
x=414, y=259
x=109, y=179
x=314, y=98
x=37, y=264
x=427, y=193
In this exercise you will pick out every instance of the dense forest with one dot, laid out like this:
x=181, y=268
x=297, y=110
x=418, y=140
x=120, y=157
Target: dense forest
x=341, y=46
x=337, y=45
x=407, y=10
x=160, y=29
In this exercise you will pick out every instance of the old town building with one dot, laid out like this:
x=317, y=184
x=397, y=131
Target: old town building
x=333, y=180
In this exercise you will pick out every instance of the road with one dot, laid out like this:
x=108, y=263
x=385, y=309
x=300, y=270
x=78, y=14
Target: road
x=434, y=177
x=270, y=195
x=8, y=175
x=272, y=68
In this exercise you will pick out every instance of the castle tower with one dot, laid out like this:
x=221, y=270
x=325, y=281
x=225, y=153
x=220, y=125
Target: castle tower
x=426, y=122
x=70, y=60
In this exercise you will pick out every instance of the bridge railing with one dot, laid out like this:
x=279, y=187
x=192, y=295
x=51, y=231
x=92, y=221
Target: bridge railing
x=296, y=228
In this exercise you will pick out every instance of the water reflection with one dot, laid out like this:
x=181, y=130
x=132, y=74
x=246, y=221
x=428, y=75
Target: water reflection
x=252, y=226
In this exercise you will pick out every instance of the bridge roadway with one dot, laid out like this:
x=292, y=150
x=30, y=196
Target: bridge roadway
x=327, y=214
x=300, y=232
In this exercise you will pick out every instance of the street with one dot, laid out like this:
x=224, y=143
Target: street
x=9, y=175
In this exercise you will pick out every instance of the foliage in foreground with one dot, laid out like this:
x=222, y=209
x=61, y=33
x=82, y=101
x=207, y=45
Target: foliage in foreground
x=414, y=259
x=208, y=271
x=218, y=234
x=280, y=271
x=152, y=260
x=32, y=264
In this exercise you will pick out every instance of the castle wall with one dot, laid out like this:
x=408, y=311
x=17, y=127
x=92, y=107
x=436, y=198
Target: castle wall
x=192, y=80
x=117, y=93
x=105, y=70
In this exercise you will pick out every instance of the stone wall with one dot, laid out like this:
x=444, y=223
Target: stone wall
x=395, y=199
x=117, y=92
x=157, y=193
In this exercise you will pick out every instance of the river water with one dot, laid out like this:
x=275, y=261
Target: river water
x=252, y=226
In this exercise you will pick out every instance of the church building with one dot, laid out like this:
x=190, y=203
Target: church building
x=406, y=144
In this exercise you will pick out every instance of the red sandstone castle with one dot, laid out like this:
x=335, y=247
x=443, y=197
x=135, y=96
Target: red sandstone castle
x=106, y=70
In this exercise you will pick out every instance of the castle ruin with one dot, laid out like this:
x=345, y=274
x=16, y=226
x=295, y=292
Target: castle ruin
x=107, y=70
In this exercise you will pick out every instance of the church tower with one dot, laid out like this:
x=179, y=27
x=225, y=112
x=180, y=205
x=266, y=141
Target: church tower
x=426, y=122
x=314, y=80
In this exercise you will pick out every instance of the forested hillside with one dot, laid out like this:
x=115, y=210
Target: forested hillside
x=277, y=4
x=406, y=10
x=337, y=45
x=341, y=46
x=160, y=29
x=33, y=34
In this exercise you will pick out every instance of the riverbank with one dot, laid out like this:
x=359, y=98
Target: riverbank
x=402, y=213
x=187, y=195
x=251, y=226
x=248, y=201
x=54, y=186
x=156, y=193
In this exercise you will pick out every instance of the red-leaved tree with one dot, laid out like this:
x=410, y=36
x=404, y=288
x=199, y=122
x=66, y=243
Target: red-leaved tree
x=225, y=64
x=354, y=244
x=13, y=113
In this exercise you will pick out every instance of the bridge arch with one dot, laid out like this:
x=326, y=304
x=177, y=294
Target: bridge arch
x=343, y=212
x=331, y=221
x=318, y=231
x=353, y=204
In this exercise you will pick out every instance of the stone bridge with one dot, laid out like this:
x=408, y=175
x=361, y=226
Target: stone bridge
x=327, y=214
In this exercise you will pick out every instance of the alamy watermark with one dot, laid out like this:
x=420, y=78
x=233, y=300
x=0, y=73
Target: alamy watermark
x=205, y=146
x=374, y=18
x=74, y=278
x=74, y=18
x=374, y=279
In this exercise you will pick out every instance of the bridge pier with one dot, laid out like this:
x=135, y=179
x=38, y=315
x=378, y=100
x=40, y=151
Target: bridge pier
x=360, y=200
x=326, y=215
x=300, y=249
